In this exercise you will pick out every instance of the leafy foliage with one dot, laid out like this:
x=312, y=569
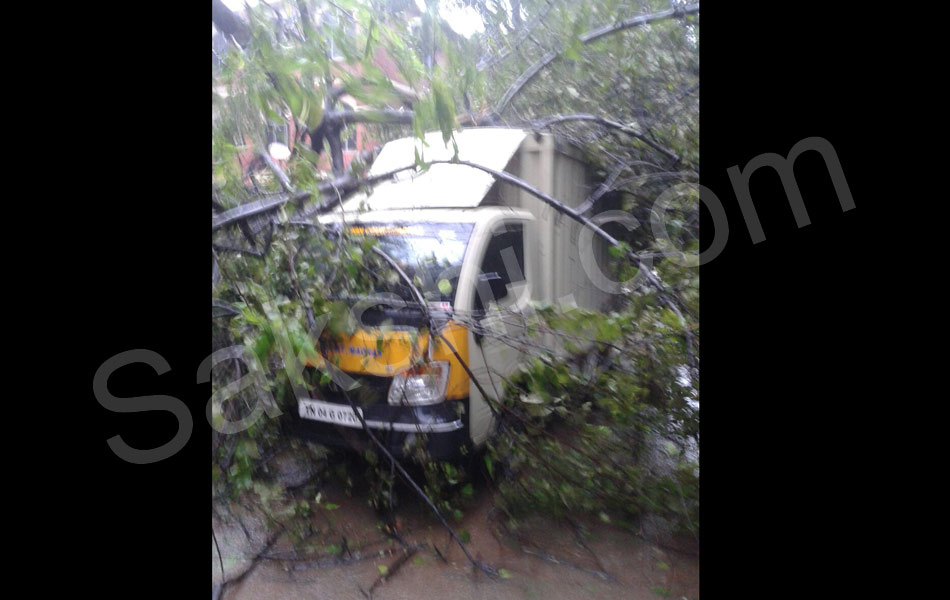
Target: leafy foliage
x=611, y=430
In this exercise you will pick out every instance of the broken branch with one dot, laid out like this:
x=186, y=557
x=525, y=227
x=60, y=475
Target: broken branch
x=546, y=123
x=344, y=185
x=276, y=170
x=586, y=38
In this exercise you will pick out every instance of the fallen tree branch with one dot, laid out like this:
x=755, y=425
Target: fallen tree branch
x=586, y=38
x=546, y=123
x=556, y=204
x=342, y=118
x=646, y=269
x=344, y=185
x=350, y=184
x=257, y=207
x=418, y=296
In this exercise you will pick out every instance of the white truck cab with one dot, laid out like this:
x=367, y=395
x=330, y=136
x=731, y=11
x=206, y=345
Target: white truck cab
x=480, y=253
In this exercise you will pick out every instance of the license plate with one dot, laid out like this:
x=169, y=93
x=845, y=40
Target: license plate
x=328, y=412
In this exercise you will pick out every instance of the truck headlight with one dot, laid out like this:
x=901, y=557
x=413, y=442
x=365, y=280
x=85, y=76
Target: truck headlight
x=422, y=384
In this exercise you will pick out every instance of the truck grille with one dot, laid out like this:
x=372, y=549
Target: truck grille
x=371, y=390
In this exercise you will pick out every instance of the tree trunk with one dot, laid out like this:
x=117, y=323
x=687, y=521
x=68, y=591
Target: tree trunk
x=229, y=23
x=336, y=150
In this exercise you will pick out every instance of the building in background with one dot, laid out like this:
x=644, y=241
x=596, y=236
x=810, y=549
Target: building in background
x=355, y=139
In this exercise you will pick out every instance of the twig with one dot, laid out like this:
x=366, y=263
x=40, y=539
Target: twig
x=516, y=43
x=391, y=570
x=281, y=176
x=301, y=292
x=237, y=250
x=580, y=540
x=560, y=561
x=218, y=548
x=270, y=542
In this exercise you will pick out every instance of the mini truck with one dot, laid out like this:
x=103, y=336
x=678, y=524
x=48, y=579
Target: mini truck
x=480, y=251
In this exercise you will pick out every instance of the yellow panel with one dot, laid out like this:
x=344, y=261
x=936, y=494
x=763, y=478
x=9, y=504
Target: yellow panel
x=379, y=353
x=373, y=351
x=458, y=378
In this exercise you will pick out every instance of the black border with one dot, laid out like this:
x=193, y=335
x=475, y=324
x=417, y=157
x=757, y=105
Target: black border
x=791, y=353
x=131, y=271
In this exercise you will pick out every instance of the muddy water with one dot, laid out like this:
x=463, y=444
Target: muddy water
x=544, y=560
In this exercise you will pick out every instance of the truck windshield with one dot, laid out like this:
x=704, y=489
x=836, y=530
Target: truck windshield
x=430, y=253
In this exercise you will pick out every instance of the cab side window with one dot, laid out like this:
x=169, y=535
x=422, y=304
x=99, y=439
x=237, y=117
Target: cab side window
x=502, y=267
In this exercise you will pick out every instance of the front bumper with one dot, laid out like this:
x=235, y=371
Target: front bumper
x=443, y=428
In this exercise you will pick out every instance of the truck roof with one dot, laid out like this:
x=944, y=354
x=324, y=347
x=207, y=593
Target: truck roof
x=442, y=185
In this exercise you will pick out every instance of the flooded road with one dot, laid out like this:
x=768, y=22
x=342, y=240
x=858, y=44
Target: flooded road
x=545, y=559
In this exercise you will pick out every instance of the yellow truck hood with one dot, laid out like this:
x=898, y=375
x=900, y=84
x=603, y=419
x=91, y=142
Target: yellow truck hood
x=383, y=353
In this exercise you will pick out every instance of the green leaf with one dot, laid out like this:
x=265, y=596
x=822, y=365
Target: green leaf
x=451, y=473
x=572, y=52
x=444, y=109
x=619, y=250
x=490, y=466
x=370, y=457
x=315, y=116
x=372, y=36
x=383, y=570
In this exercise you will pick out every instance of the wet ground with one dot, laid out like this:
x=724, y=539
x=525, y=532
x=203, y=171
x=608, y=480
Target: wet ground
x=545, y=559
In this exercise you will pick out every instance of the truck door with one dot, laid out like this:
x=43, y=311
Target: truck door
x=502, y=293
